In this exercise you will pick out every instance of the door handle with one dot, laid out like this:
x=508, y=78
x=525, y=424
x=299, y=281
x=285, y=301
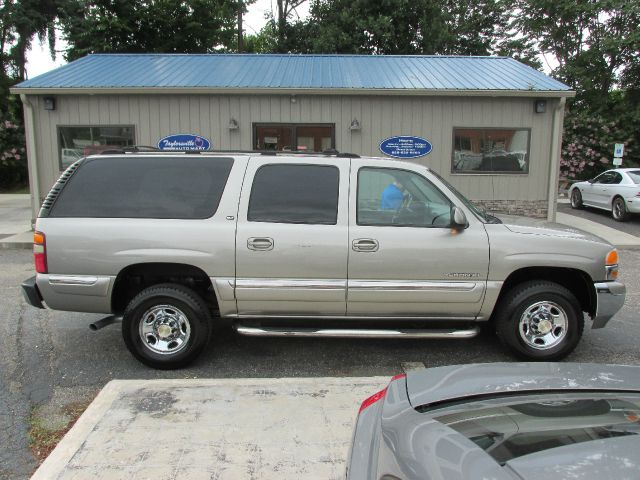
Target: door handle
x=365, y=245
x=260, y=243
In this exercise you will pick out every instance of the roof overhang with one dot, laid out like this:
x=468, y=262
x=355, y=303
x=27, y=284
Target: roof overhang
x=294, y=91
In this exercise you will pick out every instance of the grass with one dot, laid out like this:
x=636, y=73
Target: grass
x=42, y=440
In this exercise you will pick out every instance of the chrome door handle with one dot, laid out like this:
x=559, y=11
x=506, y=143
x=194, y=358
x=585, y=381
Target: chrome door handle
x=260, y=243
x=365, y=245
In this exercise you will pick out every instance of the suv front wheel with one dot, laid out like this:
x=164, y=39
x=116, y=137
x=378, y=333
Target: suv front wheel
x=166, y=326
x=540, y=320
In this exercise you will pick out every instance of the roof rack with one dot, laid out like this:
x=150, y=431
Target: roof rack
x=148, y=149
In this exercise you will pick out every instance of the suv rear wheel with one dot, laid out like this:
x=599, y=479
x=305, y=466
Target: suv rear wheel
x=540, y=320
x=166, y=326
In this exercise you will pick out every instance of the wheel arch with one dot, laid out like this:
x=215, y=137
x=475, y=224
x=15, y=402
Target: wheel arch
x=134, y=278
x=578, y=282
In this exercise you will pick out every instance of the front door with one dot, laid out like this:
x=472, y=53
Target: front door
x=405, y=260
x=292, y=234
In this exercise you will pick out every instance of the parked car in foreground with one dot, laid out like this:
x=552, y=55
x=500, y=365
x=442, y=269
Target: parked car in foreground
x=176, y=244
x=518, y=421
x=617, y=191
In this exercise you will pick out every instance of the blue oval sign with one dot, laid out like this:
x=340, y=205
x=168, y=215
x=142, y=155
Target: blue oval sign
x=183, y=141
x=405, y=147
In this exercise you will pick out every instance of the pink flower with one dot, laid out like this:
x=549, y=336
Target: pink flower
x=17, y=155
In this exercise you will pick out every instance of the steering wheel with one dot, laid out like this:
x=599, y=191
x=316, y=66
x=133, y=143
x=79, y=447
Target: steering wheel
x=433, y=222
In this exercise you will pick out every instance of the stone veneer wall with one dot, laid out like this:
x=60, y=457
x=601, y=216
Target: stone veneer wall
x=527, y=208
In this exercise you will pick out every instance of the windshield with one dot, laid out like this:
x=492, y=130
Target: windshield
x=478, y=212
x=515, y=428
x=635, y=176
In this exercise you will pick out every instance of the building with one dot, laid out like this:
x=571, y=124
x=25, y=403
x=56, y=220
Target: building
x=490, y=125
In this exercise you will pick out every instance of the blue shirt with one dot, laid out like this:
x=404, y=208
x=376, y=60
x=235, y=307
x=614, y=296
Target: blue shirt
x=391, y=198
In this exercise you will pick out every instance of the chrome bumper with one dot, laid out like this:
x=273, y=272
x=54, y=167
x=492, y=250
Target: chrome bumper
x=610, y=298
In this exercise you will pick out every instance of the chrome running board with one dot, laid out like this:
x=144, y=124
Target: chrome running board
x=360, y=333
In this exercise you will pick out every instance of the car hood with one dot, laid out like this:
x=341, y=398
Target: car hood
x=608, y=458
x=535, y=226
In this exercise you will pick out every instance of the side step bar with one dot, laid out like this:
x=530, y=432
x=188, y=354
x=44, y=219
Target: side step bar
x=353, y=333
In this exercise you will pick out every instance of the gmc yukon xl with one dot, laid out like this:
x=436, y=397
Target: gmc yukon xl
x=176, y=244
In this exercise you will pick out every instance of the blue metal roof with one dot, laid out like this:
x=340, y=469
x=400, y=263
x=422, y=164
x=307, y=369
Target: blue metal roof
x=292, y=72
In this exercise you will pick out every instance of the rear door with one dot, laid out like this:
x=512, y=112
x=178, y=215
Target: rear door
x=292, y=235
x=404, y=259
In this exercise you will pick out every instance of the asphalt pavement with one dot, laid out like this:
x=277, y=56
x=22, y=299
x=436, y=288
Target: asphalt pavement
x=632, y=226
x=50, y=357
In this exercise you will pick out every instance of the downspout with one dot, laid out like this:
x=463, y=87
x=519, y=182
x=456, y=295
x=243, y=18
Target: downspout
x=554, y=167
x=34, y=179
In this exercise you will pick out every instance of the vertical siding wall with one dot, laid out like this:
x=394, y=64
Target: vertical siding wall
x=433, y=118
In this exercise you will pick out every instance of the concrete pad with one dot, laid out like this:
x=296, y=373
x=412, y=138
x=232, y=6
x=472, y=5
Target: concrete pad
x=223, y=428
x=15, y=213
x=615, y=237
x=21, y=240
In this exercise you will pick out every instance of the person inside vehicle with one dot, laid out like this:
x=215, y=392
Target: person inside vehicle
x=392, y=196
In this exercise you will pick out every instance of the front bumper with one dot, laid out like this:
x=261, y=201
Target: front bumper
x=610, y=298
x=31, y=293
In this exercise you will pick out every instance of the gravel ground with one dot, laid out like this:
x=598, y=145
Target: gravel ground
x=49, y=358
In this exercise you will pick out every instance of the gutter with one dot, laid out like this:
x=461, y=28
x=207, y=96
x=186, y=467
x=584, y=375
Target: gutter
x=34, y=179
x=554, y=164
x=290, y=91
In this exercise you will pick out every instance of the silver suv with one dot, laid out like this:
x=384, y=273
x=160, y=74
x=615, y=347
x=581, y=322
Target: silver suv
x=302, y=245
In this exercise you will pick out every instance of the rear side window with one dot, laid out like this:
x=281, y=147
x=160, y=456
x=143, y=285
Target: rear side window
x=152, y=187
x=295, y=194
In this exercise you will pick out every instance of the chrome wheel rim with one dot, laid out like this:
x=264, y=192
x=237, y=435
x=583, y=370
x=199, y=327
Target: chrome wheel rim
x=574, y=198
x=164, y=329
x=543, y=325
x=618, y=208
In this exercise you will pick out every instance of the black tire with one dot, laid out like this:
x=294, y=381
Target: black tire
x=619, y=210
x=526, y=296
x=576, y=198
x=167, y=303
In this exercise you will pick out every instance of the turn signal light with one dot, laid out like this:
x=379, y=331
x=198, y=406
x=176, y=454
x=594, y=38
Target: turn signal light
x=40, y=252
x=612, y=257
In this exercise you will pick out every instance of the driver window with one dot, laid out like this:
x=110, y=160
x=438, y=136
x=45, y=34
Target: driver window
x=394, y=197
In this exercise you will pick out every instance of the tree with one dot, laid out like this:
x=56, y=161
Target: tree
x=594, y=47
x=449, y=27
x=164, y=26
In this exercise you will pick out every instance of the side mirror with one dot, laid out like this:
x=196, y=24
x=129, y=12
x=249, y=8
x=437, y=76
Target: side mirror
x=592, y=180
x=458, y=219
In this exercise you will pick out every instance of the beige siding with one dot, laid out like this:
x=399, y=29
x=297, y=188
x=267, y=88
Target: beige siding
x=433, y=118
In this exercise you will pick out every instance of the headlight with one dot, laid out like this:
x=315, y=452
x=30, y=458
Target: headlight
x=611, y=265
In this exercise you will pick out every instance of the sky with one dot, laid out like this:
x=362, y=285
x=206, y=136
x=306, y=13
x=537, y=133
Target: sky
x=39, y=60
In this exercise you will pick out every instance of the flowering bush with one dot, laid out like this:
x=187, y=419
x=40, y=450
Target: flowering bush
x=587, y=146
x=13, y=156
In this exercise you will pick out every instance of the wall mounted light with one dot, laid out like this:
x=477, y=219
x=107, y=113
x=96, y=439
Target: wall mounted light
x=540, y=106
x=355, y=125
x=233, y=124
x=293, y=99
x=49, y=103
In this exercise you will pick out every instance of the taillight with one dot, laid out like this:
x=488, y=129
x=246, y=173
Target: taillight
x=40, y=252
x=379, y=395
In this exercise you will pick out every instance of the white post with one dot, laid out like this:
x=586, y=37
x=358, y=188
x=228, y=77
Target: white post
x=34, y=180
x=554, y=167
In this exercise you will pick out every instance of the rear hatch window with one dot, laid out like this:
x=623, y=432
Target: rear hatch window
x=151, y=187
x=513, y=428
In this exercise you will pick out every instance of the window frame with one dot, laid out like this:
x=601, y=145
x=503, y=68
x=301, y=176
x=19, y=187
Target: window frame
x=60, y=127
x=294, y=132
x=492, y=172
x=253, y=182
x=368, y=167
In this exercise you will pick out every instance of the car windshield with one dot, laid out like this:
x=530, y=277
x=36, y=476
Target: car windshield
x=478, y=212
x=511, y=428
x=635, y=176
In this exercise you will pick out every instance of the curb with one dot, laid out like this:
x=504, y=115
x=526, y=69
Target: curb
x=16, y=245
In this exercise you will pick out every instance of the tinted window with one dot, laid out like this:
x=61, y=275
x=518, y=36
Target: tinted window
x=609, y=178
x=295, y=194
x=151, y=187
x=393, y=197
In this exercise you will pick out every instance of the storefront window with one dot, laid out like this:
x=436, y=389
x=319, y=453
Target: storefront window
x=483, y=150
x=78, y=142
x=296, y=137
